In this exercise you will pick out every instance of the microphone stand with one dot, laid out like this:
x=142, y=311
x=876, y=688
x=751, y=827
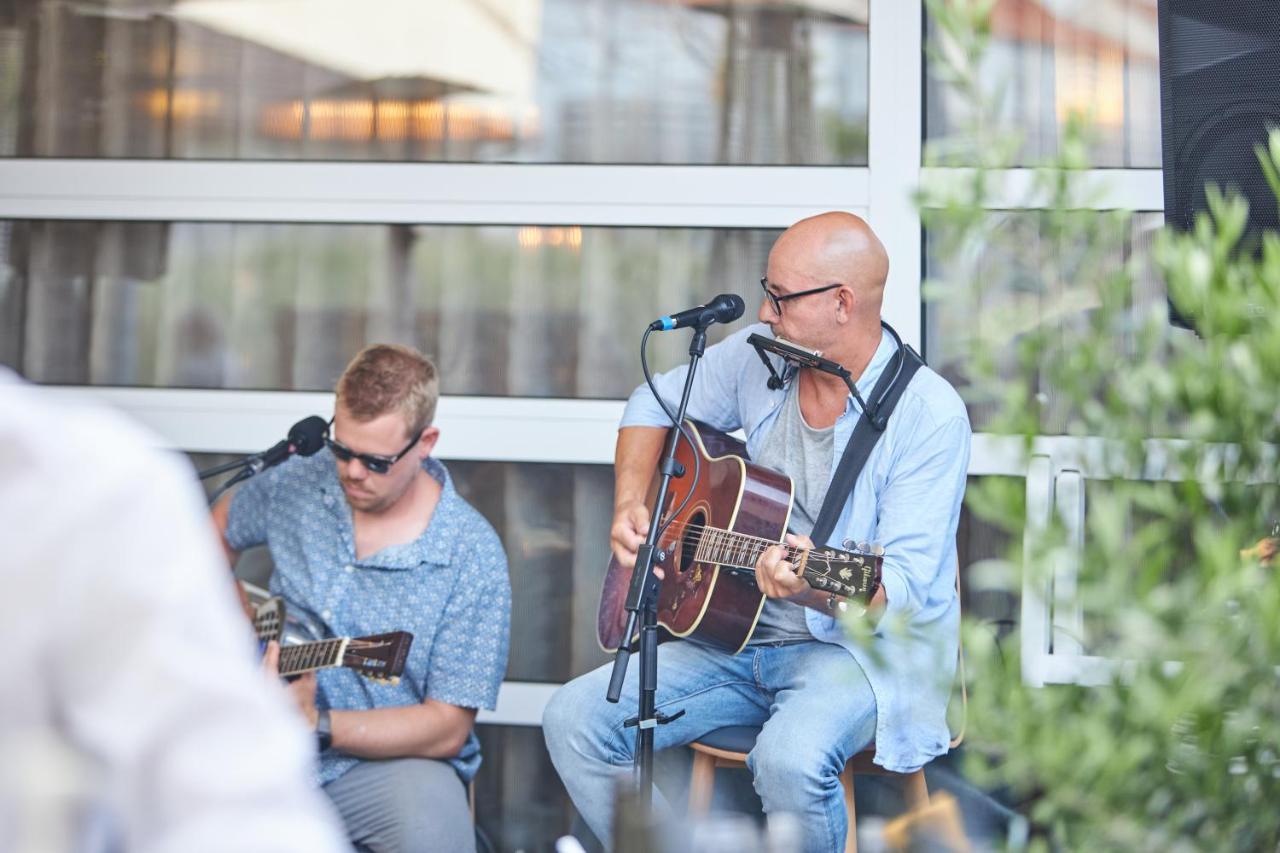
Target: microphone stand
x=642, y=604
x=244, y=467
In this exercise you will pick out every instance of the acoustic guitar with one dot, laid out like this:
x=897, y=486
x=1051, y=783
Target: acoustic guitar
x=380, y=657
x=708, y=553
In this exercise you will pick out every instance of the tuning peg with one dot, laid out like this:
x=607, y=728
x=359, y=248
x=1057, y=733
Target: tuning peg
x=877, y=549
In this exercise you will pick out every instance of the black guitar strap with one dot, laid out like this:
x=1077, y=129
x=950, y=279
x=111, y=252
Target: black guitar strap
x=870, y=427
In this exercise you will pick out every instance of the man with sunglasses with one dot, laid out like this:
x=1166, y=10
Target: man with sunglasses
x=817, y=696
x=371, y=537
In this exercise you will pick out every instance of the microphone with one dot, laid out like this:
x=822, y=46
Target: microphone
x=305, y=438
x=725, y=308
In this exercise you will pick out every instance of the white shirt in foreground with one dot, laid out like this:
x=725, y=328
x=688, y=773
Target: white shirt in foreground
x=129, y=679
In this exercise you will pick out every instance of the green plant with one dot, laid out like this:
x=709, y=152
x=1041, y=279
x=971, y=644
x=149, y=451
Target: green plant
x=1178, y=746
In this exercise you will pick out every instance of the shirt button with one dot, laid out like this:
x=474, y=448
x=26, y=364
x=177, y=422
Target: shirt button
x=327, y=614
x=349, y=569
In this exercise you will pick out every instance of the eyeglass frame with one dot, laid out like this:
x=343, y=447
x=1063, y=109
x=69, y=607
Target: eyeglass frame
x=373, y=462
x=775, y=301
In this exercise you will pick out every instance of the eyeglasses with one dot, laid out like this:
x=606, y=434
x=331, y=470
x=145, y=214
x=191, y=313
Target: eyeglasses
x=775, y=301
x=376, y=464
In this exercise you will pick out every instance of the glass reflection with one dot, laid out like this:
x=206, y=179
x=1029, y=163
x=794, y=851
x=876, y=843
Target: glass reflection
x=561, y=81
x=1052, y=59
x=505, y=311
x=1010, y=280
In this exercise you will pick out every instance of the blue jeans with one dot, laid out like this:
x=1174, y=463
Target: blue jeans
x=812, y=699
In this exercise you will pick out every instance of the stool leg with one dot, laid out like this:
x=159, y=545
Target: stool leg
x=851, y=835
x=915, y=791
x=701, y=781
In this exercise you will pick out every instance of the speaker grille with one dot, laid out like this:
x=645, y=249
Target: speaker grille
x=1219, y=98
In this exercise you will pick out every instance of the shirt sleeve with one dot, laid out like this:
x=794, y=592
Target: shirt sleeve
x=248, y=516
x=469, y=655
x=918, y=514
x=714, y=399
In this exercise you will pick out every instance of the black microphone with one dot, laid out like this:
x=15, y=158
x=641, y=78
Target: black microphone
x=725, y=308
x=305, y=438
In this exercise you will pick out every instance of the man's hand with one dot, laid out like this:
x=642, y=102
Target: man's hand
x=303, y=689
x=775, y=576
x=630, y=527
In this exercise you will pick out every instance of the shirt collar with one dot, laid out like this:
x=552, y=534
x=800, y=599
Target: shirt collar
x=432, y=546
x=879, y=361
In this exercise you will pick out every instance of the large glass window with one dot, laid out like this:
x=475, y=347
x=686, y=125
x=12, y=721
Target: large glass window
x=986, y=596
x=1048, y=60
x=533, y=311
x=549, y=81
x=553, y=521
x=993, y=287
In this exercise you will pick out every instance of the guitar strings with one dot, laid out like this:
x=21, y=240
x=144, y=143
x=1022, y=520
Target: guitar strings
x=733, y=539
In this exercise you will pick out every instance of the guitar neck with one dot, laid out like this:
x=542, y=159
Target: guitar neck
x=736, y=549
x=309, y=657
x=842, y=573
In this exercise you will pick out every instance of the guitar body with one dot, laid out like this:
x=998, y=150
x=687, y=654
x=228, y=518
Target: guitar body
x=699, y=598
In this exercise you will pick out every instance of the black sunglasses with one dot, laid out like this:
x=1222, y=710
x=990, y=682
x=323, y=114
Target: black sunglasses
x=376, y=464
x=775, y=301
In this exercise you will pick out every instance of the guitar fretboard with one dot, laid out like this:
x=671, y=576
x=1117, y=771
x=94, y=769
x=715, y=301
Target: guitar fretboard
x=735, y=549
x=840, y=572
x=307, y=657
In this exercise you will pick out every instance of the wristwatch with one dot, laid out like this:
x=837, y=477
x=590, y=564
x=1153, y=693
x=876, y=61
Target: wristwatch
x=324, y=734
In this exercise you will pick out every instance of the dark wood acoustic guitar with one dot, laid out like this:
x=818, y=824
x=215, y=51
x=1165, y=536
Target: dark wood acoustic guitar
x=708, y=553
x=380, y=657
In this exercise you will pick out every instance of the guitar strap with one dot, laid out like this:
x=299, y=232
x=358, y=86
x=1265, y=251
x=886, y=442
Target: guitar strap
x=871, y=426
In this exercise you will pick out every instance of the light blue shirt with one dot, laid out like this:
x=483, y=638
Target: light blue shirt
x=449, y=588
x=907, y=499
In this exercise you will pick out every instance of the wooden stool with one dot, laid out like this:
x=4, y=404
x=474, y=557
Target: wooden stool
x=728, y=747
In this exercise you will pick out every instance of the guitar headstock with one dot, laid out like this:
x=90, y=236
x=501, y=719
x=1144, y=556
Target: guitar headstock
x=848, y=574
x=268, y=619
x=380, y=657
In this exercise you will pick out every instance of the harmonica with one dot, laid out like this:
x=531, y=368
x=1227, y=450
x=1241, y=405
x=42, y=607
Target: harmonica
x=795, y=354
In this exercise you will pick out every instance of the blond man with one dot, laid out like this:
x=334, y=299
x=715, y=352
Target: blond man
x=370, y=536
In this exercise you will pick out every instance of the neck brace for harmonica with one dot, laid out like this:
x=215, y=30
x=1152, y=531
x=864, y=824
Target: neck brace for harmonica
x=795, y=356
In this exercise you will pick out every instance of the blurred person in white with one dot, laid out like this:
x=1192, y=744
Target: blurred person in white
x=130, y=683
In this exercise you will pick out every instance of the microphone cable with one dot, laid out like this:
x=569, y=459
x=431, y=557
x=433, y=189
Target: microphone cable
x=683, y=431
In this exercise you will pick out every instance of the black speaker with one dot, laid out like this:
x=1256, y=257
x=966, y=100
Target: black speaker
x=1219, y=97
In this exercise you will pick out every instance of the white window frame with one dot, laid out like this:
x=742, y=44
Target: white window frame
x=581, y=431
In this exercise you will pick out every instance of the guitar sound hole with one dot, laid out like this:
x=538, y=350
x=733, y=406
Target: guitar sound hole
x=692, y=536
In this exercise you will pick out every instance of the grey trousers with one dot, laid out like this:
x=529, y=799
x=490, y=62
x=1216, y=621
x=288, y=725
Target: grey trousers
x=404, y=805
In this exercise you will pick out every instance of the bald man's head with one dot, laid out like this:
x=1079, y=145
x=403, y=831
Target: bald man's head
x=833, y=247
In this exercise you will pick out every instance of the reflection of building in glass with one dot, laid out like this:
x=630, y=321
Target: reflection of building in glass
x=1053, y=58
x=634, y=81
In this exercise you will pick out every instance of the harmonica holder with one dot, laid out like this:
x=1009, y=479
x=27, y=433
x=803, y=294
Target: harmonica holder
x=794, y=356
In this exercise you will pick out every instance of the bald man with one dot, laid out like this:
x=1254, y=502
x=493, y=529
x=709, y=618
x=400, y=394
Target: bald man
x=818, y=696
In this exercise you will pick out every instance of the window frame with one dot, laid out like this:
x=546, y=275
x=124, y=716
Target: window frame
x=574, y=431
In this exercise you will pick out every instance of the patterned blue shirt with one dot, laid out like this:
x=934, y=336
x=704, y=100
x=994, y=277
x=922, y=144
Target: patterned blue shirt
x=907, y=499
x=449, y=588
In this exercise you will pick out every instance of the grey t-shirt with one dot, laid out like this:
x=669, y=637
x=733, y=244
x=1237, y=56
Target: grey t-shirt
x=806, y=456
